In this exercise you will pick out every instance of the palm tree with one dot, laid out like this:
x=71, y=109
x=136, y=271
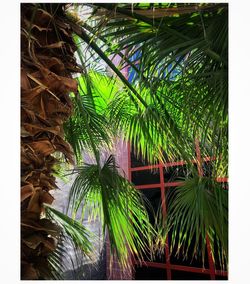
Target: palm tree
x=47, y=62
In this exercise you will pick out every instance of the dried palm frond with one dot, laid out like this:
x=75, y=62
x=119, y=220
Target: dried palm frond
x=47, y=60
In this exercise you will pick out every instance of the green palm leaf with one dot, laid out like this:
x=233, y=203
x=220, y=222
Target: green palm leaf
x=72, y=228
x=198, y=209
x=103, y=192
x=73, y=234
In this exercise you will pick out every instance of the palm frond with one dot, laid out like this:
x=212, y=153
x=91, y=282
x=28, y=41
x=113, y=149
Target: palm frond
x=204, y=214
x=87, y=128
x=106, y=194
x=68, y=261
x=73, y=235
x=56, y=260
x=152, y=130
x=73, y=229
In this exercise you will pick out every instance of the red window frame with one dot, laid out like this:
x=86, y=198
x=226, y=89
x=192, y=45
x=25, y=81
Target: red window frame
x=164, y=186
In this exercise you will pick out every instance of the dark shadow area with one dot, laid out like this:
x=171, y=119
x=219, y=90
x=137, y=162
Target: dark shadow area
x=146, y=177
x=150, y=273
x=184, y=275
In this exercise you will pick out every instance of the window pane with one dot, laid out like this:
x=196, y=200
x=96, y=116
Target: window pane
x=146, y=177
x=153, y=196
x=207, y=169
x=219, y=260
x=184, y=275
x=136, y=160
x=150, y=273
x=171, y=173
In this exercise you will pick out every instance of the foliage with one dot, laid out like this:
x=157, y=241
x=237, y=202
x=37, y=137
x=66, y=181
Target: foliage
x=102, y=191
x=73, y=234
x=181, y=90
x=72, y=228
x=203, y=204
x=177, y=59
x=177, y=91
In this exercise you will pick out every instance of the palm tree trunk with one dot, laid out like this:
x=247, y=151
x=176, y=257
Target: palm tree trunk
x=47, y=62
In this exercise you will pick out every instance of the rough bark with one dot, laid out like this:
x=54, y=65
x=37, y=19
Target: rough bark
x=47, y=63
